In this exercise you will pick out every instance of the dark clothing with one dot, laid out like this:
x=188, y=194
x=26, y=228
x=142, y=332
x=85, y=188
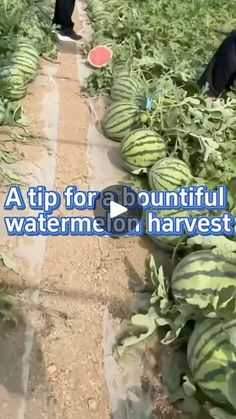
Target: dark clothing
x=63, y=14
x=220, y=73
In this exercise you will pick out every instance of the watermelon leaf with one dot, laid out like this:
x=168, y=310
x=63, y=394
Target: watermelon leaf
x=140, y=171
x=218, y=413
x=8, y=262
x=221, y=243
x=143, y=326
x=188, y=387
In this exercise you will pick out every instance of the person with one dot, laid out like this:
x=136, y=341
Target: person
x=63, y=18
x=220, y=73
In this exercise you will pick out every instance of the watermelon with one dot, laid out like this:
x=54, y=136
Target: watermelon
x=211, y=356
x=169, y=174
x=121, y=118
x=206, y=280
x=140, y=100
x=26, y=47
x=125, y=88
x=120, y=69
x=9, y=73
x=26, y=63
x=15, y=93
x=141, y=149
x=99, y=56
x=12, y=83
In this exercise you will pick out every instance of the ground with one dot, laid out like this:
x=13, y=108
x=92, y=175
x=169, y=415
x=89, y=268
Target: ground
x=54, y=366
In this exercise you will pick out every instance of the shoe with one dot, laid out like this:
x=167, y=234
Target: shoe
x=69, y=36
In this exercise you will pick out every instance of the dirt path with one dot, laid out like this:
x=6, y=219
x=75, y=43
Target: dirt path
x=69, y=284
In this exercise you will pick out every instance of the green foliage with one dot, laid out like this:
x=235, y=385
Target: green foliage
x=163, y=37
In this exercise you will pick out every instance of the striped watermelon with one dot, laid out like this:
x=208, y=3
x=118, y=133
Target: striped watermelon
x=12, y=83
x=2, y=112
x=24, y=45
x=26, y=63
x=206, y=280
x=141, y=149
x=14, y=93
x=120, y=69
x=140, y=100
x=211, y=356
x=169, y=173
x=9, y=74
x=121, y=118
x=125, y=88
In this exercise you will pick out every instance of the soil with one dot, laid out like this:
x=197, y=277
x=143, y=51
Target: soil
x=53, y=366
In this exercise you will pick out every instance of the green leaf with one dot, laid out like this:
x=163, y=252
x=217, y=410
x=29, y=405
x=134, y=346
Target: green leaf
x=9, y=263
x=221, y=243
x=144, y=326
x=140, y=171
x=218, y=413
x=188, y=387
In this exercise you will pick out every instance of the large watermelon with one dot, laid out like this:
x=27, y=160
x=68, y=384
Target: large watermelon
x=15, y=92
x=121, y=118
x=141, y=149
x=28, y=48
x=12, y=83
x=27, y=63
x=125, y=88
x=169, y=174
x=11, y=75
x=208, y=281
x=120, y=69
x=211, y=356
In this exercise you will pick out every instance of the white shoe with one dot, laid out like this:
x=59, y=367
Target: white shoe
x=69, y=37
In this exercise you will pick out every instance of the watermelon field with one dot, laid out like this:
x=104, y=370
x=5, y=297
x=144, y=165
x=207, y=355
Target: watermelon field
x=159, y=310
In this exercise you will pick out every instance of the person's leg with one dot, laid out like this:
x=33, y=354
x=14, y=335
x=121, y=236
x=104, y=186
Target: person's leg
x=221, y=70
x=63, y=18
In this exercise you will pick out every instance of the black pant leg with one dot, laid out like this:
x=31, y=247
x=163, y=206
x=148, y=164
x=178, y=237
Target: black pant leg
x=63, y=14
x=221, y=70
